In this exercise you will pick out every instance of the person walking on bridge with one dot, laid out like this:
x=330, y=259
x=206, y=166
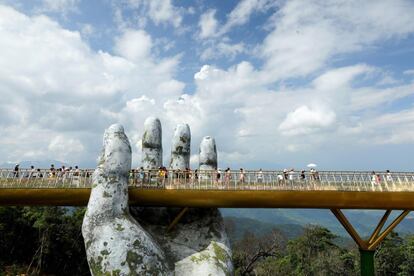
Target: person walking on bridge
x=32, y=172
x=260, y=176
x=374, y=180
x=227, y=177
x=242, y=176
x=16, y=171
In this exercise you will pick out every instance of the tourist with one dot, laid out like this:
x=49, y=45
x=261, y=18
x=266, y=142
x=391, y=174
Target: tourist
x=52, y=171
x=218, y=175
x=302, y=175
x=227, y=177
x=280, y=178
x=285, y=174
x=142, y=175
x=196, y=175
x=241, y=176
x=378, y=178
x=260, y=176
x=132, y=176
x=388, y=176
x=161, y=177
x=32, y=172
x=16, y=171
x=373, y=179
x=291, y=176
x=187, y=175
x=39, y=174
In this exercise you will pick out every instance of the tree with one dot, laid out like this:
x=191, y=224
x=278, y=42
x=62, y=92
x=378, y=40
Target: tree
x=389, y=256
x=43, y=240
x=315, y=253
x=407, y=266
x=250, y=250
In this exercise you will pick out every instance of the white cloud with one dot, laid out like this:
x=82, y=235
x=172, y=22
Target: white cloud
x=208, y=24
x=305, y=120
x=159, y=11
x=242, y=12
x=340, y=78
x=87, y=30
x=164, y=11
x=134, y=45
x=307, y=34
x=223, y=49
x=58, y=87
x=409, y=72
x=65, y=146
x=59, y=6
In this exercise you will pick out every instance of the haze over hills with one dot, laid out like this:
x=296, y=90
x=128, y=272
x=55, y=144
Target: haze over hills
x=364, y=221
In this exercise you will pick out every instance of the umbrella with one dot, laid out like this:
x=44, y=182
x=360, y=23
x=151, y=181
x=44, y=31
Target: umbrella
x=311, y=165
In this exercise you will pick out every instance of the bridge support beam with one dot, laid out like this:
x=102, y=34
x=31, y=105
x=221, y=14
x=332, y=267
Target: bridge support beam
x=177, y=219
x=367, y=262
x=367, y=247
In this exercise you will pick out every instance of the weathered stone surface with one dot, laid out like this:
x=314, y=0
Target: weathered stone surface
x=152, y=144
x=208, y=154
x=197, y=245
x=180, y=147
x=115, y=243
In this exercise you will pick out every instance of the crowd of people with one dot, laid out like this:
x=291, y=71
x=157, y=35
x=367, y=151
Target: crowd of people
x=162, y=175
x=218, y=176
x=52, y=172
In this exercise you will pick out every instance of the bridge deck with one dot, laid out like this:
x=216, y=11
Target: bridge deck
x=338, y=190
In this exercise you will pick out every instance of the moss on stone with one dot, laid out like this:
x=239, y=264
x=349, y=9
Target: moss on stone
x=88, y=244
x=106, y=194
x=202, y=257
x=220, y=253
x=119, y=227
x=137, y=243
x=96, y=266
x=133, y=260
x=221, y=257
x=105, y=252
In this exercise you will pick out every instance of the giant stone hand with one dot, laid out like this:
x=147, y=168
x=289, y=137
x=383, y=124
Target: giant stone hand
x=117, y=244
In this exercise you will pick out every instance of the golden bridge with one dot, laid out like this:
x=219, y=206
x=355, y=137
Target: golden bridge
x=334, y=190
x=255, y=189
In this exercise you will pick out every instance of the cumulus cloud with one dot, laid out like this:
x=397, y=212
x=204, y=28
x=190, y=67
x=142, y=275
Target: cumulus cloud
x=134, y=45
x=58, y=87
x=305, y=120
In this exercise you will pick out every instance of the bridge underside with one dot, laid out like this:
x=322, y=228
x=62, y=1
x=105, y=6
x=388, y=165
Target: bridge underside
x=219, y=198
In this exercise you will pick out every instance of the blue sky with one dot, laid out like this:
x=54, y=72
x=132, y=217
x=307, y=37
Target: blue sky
x=277, y=83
